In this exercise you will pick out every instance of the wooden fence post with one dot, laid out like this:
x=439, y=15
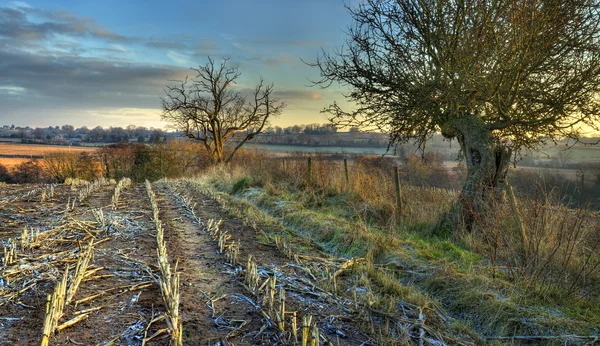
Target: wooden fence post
x=522, y=232
x=398, y=189
x=309, y=169
x=346, y=172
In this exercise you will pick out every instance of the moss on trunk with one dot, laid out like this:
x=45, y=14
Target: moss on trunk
x=487, y=161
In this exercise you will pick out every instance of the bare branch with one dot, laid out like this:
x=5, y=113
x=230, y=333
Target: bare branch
x=208, y=109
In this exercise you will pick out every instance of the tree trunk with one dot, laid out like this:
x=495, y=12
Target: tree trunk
x=487, y=162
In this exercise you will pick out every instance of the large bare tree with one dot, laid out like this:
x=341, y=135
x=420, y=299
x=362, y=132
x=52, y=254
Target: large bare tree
x=499, y=76
x=208, y=109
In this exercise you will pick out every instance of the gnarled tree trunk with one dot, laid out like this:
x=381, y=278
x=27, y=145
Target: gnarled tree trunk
x=487, y=161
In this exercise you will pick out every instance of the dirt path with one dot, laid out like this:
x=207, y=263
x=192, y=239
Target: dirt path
x=213, y=303
x=207, y=273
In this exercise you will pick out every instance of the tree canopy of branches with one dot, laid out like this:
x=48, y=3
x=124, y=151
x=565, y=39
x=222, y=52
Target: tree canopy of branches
x=498, y=76
x=209, y=110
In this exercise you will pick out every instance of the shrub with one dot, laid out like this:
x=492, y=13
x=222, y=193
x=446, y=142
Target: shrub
x=239, y=185
x=4, y=174
x=29, y=172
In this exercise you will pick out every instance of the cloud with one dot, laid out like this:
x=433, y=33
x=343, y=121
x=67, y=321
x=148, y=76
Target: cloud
x=178, y=58
x=46, y=67
x=292, y=43
x=20, y=4
x=81, y=82
x=56, y=66
x=166, y=45
x=18, y=23
x=12, y=90
x=303, y=95
x=122, y=116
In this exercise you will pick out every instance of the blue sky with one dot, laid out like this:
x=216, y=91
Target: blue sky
x=106, y=62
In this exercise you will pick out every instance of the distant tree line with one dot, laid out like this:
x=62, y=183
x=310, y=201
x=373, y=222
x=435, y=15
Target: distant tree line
x=98, y=134
x=311, y=129
x=321, y=135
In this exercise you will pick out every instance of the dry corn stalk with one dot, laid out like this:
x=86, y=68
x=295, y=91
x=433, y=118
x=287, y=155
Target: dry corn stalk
x=306, y=329
x=271, y=292
x=212, y=227
x=294, y=328
x=281, y=309
x=232, y=252
x=315, y=335
x=123, y=184
x=252, y=276
x=168, y=281
x=54, y=308
x=88, y=189
x=345, y=266
x=99, y=216
x=10, y=254
x=24, y=238
x=82, y=263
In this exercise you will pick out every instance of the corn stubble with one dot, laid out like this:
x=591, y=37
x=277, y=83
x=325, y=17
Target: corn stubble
x=168, y=281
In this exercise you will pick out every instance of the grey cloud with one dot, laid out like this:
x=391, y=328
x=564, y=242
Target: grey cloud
x=37, y=77
x=293, y=43
x=191, y=45
x=166, y=45
x=15, y=24
x=83, y=82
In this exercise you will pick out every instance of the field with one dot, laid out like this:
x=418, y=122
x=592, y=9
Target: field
x=272, y=251
x=238, y=281
x=12, y=154
x=39, y=149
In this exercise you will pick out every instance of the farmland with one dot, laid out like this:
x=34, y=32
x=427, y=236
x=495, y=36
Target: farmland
x=226, y=257
x=275, y=248
x=39, y=149
x=239, y=281
x=12, y=154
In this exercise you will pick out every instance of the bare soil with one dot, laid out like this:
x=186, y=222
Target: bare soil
x=214, y=301
x=120, y=293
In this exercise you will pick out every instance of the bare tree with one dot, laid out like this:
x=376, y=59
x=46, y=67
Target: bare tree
x=498, y=76
x=565, y=156
x=209, y=110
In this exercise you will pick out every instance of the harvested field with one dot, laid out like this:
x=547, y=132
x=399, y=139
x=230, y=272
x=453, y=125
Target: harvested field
x=37, y=150
x=121, y=264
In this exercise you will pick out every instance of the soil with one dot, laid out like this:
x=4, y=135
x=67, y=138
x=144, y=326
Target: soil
x=216, y=305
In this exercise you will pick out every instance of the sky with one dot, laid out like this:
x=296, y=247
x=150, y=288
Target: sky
x=89, y=63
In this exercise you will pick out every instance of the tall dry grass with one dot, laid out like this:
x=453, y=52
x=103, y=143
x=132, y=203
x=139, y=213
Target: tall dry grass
x=369, y=193
x=554, y=250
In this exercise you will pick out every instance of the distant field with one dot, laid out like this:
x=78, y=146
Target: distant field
x=577, y=154
x=276, y=148
x=33, y=150
x=38, y=149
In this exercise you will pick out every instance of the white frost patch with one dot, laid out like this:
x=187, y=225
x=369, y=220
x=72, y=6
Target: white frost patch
x=251, y=192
